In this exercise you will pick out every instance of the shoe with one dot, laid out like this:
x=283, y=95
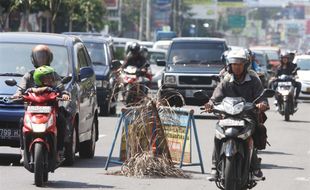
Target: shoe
x=275, y=103
x=213, y=175
x=258, y=175
x=21, y=161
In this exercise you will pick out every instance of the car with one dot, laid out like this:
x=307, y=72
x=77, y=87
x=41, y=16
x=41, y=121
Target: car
x=261, y=59
x=192, y=64
x=70, y=58
x=273, y=54
x=157, y=71
x=303, y=74
x=101, y=51
x=162, y=44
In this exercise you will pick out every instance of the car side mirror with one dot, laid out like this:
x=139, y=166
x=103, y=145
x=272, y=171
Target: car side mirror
x=269, y=93
x=202, y=95
x=161, y=62
x=10, y=82
x=116, y=64
x=86, y=72
x=66, y=79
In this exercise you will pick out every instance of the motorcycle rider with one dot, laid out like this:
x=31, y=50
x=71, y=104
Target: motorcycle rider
x=287, y=67
x=240, y=84
x=40, y=55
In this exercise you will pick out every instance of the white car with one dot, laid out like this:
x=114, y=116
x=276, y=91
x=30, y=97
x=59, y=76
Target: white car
x=157, y=71
x=162, y=44
x=303, y=75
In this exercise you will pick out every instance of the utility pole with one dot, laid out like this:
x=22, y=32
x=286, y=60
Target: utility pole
x=148, y=19
x=120, y=16
x=141, y=20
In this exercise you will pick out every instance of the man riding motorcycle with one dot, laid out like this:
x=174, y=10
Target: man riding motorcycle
x=287, y=67
x=40, y=55
x=239, y=84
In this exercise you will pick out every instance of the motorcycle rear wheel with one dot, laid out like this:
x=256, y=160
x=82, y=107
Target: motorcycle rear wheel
x=39, y=164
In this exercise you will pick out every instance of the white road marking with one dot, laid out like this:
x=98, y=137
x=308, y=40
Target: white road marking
x=101, y=136
x=302, y=178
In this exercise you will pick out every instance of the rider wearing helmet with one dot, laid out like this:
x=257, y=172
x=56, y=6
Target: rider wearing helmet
x=240, y=84
x=135, y=57
x=41, y=55
x=287, y=67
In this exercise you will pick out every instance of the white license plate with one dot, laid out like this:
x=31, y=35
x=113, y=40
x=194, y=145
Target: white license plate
x=9, y=133
x=189, y=93
x=39, y=109
x=285, y=83
x=231, y=122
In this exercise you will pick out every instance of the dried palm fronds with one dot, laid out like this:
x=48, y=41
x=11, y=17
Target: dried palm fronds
x=146, y=164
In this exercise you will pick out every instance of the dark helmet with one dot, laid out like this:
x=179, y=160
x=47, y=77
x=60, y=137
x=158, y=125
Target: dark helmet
x=134, y=47
x=144, y=51
x=41, y=55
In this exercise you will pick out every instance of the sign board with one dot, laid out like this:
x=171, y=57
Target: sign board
x=236, y=21
x=174, y=129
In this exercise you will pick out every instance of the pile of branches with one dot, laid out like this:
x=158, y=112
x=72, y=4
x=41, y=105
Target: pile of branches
x=146, y=164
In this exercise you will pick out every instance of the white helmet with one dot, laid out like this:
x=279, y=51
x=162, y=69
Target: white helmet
x=237, y=56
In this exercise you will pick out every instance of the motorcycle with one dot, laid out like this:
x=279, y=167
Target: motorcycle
x=285, y=93
x=234, y=130
x=40, y=132
x=135, y=83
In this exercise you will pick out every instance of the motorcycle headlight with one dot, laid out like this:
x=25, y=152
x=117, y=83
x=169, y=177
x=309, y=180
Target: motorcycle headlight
x=169, y=79
x=234, y=110
x=38, y=128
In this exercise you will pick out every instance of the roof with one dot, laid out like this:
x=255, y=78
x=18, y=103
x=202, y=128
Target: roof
x=37, y=38
x=186, y=39
x=265, y=48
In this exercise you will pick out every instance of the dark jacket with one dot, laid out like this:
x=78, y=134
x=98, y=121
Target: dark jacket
x=138, y=61
x=249, y=89
x=286, y=71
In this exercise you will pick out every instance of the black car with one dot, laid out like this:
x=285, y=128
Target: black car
x=101, y=51
x=193, y=64
x=70, y=58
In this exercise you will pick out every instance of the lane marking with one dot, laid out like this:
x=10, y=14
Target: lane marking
x=302, y=178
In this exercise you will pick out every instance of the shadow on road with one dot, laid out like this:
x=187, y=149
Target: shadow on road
x=96, y=162
x=274, y=166
x=205, y=117
x=73, y=184
x=274, y=152
x=9, y=160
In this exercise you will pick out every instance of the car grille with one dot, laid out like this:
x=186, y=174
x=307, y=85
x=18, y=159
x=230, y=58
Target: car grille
x=195, y=80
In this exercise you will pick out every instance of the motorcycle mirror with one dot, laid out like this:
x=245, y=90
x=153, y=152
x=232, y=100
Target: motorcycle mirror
x=11, y=82
x=201, y=95
x=269, y=93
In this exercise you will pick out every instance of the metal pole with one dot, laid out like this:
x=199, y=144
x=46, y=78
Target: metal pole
x=141, y=20
x=120, y=16
x=148, y=19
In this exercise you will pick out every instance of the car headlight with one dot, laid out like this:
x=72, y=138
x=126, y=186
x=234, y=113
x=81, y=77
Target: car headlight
x=102, y=83
x=169, y=79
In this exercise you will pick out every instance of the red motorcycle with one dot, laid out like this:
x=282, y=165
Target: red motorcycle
x=40, y=132
x=136, y=84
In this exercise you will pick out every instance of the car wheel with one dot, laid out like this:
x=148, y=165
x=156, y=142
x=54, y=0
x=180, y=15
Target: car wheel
x=87, y=148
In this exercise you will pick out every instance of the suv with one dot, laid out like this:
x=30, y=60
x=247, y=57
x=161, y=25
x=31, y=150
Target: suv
x=193, y=64
x=70, y=58
x=101, y=52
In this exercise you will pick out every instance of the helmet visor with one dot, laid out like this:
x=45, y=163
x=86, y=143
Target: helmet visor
x=41, y=58
x=235, y=60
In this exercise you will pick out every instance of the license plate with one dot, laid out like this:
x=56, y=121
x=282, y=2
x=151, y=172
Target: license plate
x=189, y=93
x=285, y=83
x=231, y=122
x=39, y=109
x=9, y=133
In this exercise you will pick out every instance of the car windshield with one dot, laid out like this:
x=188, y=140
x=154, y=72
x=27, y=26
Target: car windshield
x=195, y=53
x=261, y=61
x=15, y=59
x=153, y=56
x=303, y=64
x=97, y=53
x=272, y=55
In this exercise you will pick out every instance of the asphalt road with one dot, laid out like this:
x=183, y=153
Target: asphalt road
x=286, y=164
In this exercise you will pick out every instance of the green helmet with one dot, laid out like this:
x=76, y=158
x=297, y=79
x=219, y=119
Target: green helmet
x=44, y=75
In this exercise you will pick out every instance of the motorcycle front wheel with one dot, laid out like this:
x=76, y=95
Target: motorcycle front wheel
x=230, y=178
x=286, y=111
x=39, y=165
